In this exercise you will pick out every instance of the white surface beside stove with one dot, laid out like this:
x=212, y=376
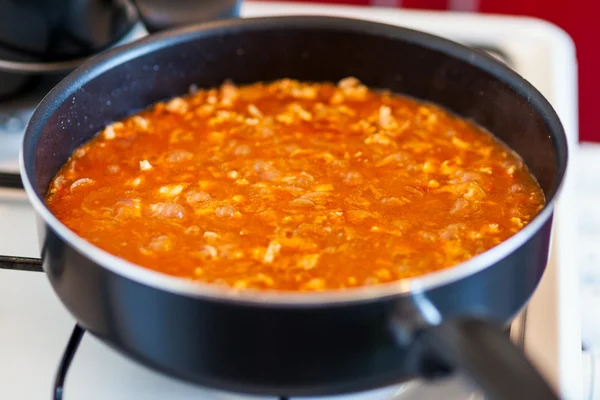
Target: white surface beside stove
x=588, y=228
x=588, y=221
x=35, y=327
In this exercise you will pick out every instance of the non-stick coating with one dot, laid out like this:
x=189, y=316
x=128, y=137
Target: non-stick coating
x=285, y=350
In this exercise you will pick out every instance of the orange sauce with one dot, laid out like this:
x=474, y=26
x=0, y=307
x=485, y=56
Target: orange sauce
x=294, y=186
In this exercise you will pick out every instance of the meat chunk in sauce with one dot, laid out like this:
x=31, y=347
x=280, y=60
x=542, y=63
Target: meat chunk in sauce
x=294, y=186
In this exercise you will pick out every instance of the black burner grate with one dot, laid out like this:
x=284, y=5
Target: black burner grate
x=21, y=264
x=10, y=180
x=65, y=362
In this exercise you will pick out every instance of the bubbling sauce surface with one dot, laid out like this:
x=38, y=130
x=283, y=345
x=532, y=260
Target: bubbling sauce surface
x=294, y=186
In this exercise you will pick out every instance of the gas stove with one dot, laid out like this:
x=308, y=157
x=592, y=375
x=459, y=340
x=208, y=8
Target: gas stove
x=36, y=328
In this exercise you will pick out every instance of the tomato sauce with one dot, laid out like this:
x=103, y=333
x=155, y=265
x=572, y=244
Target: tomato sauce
x=296, y=186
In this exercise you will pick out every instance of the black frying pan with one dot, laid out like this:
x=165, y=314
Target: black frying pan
x=302, y=343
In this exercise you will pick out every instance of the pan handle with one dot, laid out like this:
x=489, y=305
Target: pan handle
x=482, y=351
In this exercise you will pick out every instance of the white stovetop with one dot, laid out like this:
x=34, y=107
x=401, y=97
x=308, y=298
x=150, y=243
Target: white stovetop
x=35, y=327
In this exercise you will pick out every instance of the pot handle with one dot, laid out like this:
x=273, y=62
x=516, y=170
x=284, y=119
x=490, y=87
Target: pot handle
x=483, y=351
x=159, y=15
x=33, y=67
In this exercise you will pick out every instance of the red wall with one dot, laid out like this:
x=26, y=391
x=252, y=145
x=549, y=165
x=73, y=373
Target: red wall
x=578, y=17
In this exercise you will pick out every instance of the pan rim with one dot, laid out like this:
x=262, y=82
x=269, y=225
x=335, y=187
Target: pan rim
x=181, y=286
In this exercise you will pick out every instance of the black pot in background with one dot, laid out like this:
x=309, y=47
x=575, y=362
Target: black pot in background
x=56, y=30
x=50, y=36
x=11, y=82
